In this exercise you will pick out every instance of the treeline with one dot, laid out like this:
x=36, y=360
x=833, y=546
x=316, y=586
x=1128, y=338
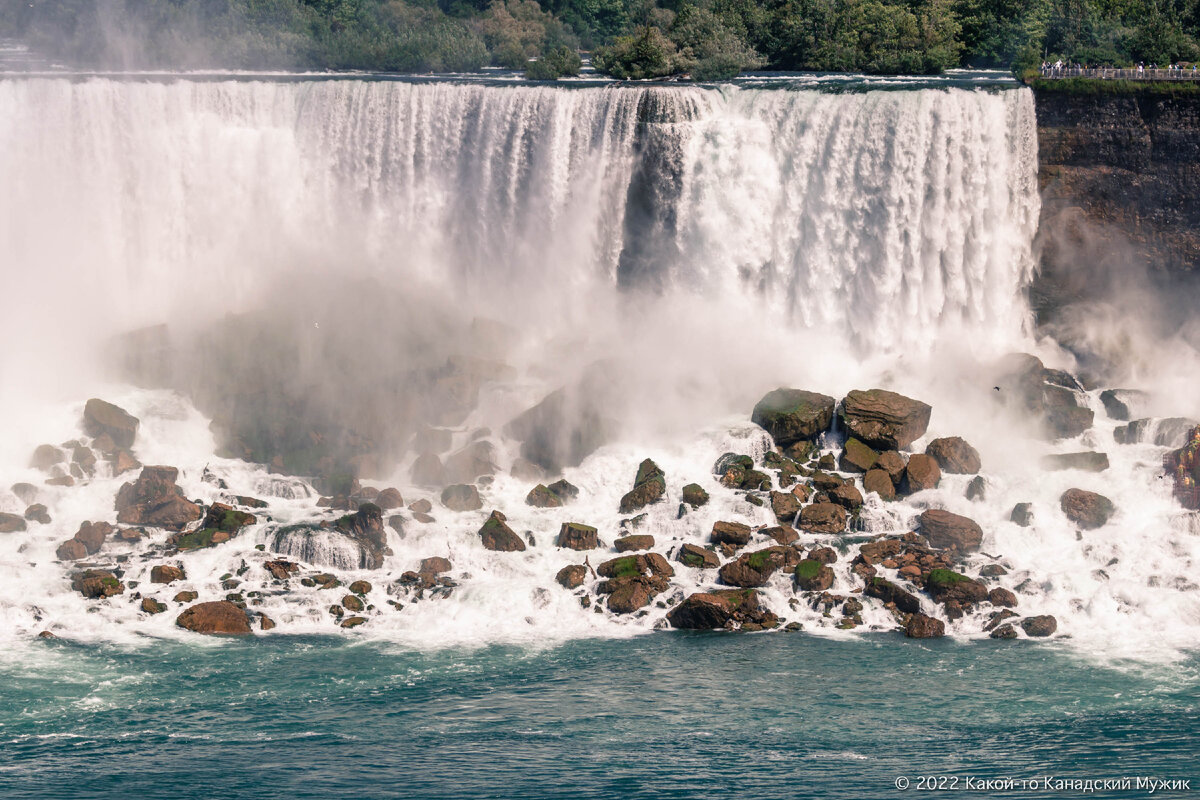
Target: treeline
x=706, y=39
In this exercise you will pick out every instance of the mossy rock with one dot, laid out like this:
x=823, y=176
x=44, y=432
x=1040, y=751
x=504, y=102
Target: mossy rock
x=626, y=567
x=197, y=539
x=944, y=578
x=758, y=560
x=694, y=495
x=729, y=461
x=807, y=569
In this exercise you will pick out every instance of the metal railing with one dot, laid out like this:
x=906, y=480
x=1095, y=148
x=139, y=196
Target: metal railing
x=1190, y=73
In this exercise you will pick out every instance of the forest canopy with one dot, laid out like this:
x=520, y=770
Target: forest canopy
x=703, y=39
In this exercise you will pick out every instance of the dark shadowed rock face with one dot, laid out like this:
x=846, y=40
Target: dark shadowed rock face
x=885, y=420
x=791, y=415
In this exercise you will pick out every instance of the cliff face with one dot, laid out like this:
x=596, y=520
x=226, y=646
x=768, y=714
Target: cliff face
x=1120, y=181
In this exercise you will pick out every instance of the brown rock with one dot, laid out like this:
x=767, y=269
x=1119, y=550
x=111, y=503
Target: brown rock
x=884, y=420
x=1002, y=597
x=364, y=587
x=879, y=482
x=100, y=418
x=540, y=496
x=219, y=616
x=857, y=457
x=755, y=569
x=1067, y=422
x=154, y=499
x=733, y=533
x=71, y=550
x=847, y=496
x=954, y=455
x=97, y=584
x=496, y=535
x=37, y=513
x=123, y=461
x=46, y=456
x=92, y=535
x=719, y=609
x=389, y=498
x=791, y=415
x=462, y=497
x=921, y=473
x=471, y=462
x=1039, y=626
x=893, y=464
x=888, y=592
x=186, y=597
x=421, y=506
x=695, y=556
x=353, y=622
x=265, y=623
x=571, y=576
x=428, y=471
x=813, y=576
x=649, y=486
x=694, y=495
x=920, y=626
x=823, y=518
x=166, y=573
x=785, y=505
x=281, y=570
x=434, y=565
x=152, y=606
x=1088, y=510
x=12, y=523
x=628, y=544
x=949, y=531
x=782, y=534
x=576, y=536
x=826, y=555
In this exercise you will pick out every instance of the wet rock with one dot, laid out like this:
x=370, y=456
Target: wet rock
x=695, y=556
x=434, y=565
x=823, y=518
x=101, y=418
x=649, y=486
x=166, y=573
x=364, y=587
x=540, y=496
x=427, y=470
x=496, y=535
x=813, y=576
x=992, y=571
x=564, y=491
x=954, y=455
x=525, y=470
x=1002, y=597
x=472, y=462
x=977, y=489
x=389, y=498
x=37, y=513
x=85, y=459
x=122, y=461
x=694, y=495
x=879, y=482
x=857, y=457
x=1118, y=402
x=1067, y=422
x=92, y=535
x=1088, y=510
x=721, y=609
x=26, y=492
x=1022, y=514
x=576, y=536
x=884, y=420
x=734, y=533
x=154, y=499
x=1006, y=631
x=755, y=569
x=353, y=622
x=571, y=576
x=12, y=523
x=627, y=544
x=782, y=534
x=186, y=597
x=421, y=506
x=785, y=505
x=96, y=584
x=216, y=617
x=945, y=585
x=847, y=496
x=1086, y=462
x=826, y=555
x=791, y=415
x=265, y=623
x=949, y=531
x=755, y=481
x=879, y=550
x=921, y=473
x=352, y=603
x=46, y=456
x=888, y=592
x=365, y=529
x=221, y=523
x=893, y=463
x=462, y=497
x=280, y=569
x=920, y=626
x=567, y=426
x=152, y=606
x=1044, y=625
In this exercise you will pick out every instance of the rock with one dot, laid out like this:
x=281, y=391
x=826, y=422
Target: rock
x=25, y=492
x=826, y=555
x=421, y=506
x=12, y=523
x=823, y=518
x=101, y=418
x=1088, y=510
x=154, y=499
x=813, y=576
x=221, y=523
x=921, y=473
x=791, y=415
x=71, y=550
x=46, y=456
x=884, y=420
x=540, y=496
x=571, y=576
x=1067, y=422
x=265, y=623
x=782, y=534
x=847, y=496
x=353, y=622
x=1022, y=514
x=946, y=585
x=1117, y=402
x=755, y=569
x=920, y=626
x=1002, y=597
x=462, y=497
x=152, y=606
x=888, y=592
x=389, y=498
x=352, y=603
x=694, y=495
x=649, y=486
x=719, y=609
x=280, y=569
x=96, y=584
x=1006, y=631
x=122, y=461
x=879, y=482
x=471, y=462
x=525, y=470
x=628, y=544
x=166, y=573
x=949, y=531
x=186, y=597
x=893, y=463
x=977, y=489
x=879, y=550
x=92, y=535
x=568, y=425
x=564, y=491
x=435, y=565
x=37, y=513
x=496, y=535
x=1039, y=626
x=628, y=596
x=1086, y=462
x=785, y=505
x=364, y=587
x=955, y=455
x=755, y=481
x=365, y=529
x=427, y=470
x=219, y=616
x=734, y=533
x=576, y=536
x=695, y=556
x=85, y=459
x=857, y=457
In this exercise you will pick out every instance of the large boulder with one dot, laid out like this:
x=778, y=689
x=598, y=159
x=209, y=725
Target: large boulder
x=920, y=626
x=540, y=496
x=921, y=473
x=631, y=582
x=951, y=531
x=101, y=418
x=755, y=569
x=945, y=585
x=888, y=592
x=96, y=584
x=629, y=544
x=823, y=518
x=649, y=486
x=166, y=573
x=955, y=455
x=471, y=462
x=221, y=523
x=857, y=457
x=791, y=415
x=813, y=576
x=785, y=505
x=884, y=420
x=12, y=523
x=427, y=471
x=220, y=616
x=694, y=495
x=576, y=536
x=721, y=609
x=1067, y=422
x=695, y=556
x=92, y=535
x=1044, y=625
x=733, y=533
x=1088, y=510
x=879, y=482
x=496, y=535
x=389, y=498
x=462, y=497
x=571, y=576
x=154, y=499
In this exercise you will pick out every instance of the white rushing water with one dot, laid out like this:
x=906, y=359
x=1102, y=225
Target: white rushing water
x=717, y=243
